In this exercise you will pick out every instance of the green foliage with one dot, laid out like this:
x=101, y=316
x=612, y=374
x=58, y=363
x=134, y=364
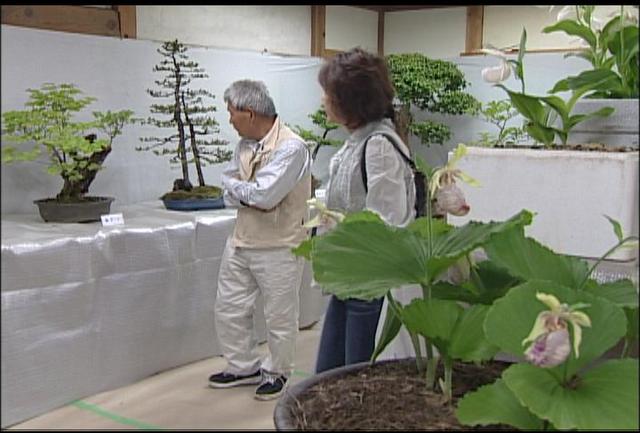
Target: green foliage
x=75, y=153
x=612, y=51
x=319, y=118
x=435, y=86
x=542, y=112
x=499, y=113
x=188, y=112
x=494, y=310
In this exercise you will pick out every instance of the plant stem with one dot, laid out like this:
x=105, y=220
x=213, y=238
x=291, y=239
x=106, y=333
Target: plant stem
x=448, y=369
x=615, y=247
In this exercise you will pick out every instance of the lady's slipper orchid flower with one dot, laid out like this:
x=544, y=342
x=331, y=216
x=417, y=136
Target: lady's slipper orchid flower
x=450, y=199
x=550, y=336
x=324, y=217
x=442, y=186
x=499, y=73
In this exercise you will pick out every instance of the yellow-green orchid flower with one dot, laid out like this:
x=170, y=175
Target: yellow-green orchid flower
x=324, y=215
x=447, y=174
x=549, y=334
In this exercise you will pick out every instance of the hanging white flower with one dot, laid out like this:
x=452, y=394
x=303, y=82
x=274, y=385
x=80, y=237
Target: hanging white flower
x=498, y=73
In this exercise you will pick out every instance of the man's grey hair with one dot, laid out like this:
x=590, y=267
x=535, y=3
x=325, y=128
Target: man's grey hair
x=245, y=94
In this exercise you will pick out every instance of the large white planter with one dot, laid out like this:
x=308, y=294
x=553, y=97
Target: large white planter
x=569, y=191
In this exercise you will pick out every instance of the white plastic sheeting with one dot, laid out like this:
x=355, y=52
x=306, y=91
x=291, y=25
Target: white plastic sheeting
x=87, y=308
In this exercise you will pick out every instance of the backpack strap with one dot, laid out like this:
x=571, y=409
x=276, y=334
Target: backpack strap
x=363, y=163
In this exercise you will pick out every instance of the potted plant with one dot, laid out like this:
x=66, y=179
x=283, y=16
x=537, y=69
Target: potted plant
x=493, y=308
x=75, y=151
x=566, y=186
x=189, y=115
x=500, y=113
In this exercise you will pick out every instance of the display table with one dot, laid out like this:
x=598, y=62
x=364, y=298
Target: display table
x=87, y=308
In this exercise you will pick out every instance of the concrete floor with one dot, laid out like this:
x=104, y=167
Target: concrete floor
x=179, y=398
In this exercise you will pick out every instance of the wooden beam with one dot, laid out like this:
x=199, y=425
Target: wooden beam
x=381, y=34
x=475, y=20
x=75, y=19
x=318, y=23
x=127, y=18
x=403, y=8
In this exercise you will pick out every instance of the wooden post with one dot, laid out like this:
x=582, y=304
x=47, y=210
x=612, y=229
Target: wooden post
x=128, y=26
x=475, y=19
x=318, y=17
x=381, y=34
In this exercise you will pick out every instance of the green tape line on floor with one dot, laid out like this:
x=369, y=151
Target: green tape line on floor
x=112, y=416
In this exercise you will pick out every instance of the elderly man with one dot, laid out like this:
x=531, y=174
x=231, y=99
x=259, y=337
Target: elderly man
x=269, y=182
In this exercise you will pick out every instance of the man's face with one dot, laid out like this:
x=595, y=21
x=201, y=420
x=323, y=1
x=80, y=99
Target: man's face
x=241, y=121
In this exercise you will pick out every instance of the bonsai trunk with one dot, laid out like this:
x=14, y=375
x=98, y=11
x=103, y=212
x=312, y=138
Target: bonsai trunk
x=74, y=190
x=194, y=146
x=403, y=121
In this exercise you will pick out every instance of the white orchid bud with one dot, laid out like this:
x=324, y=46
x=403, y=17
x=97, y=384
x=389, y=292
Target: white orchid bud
x=450, y=199
x=496, y=74
x=567, y=13
x=550, y=349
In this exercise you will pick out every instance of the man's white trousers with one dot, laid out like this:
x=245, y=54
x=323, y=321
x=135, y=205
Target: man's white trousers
x=275, y=273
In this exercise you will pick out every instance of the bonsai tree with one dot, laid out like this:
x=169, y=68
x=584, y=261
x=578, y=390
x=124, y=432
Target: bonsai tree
x=319, y=118
x=75, y=151
x=435, y=86
x=190, y=117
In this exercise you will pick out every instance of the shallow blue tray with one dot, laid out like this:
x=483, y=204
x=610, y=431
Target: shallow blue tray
x=194, y=204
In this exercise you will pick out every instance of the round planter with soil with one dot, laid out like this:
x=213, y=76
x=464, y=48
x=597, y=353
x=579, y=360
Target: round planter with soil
x=387, y=395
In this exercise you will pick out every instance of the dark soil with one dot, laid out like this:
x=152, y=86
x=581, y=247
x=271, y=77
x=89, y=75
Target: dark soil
x=390, y=396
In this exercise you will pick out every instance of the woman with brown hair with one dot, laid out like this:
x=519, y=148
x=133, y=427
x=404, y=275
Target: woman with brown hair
x=358, y=95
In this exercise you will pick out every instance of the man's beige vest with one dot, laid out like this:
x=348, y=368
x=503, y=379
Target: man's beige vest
x=282, y=225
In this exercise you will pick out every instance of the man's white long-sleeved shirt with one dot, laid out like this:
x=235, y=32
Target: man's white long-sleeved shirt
x=288, y=164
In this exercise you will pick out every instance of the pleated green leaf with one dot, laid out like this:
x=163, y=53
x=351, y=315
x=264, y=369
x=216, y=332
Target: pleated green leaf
x=495, y=404
x=511, y=319
x=527, y=259
x=364, y=258
x=605, y=398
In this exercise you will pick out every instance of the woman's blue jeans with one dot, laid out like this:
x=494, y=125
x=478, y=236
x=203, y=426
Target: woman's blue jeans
x=349, y=332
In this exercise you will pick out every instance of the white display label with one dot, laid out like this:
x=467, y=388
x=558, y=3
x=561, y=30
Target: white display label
x=112, y=219
x=320, y=193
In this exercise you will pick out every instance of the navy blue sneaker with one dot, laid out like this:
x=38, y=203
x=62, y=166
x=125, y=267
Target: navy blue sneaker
x=228, y=380
x=271, y=387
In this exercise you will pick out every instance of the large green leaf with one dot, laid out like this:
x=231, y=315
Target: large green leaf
x=434, y=319
x=468, y=342
x=495, y=404
x=527, y=259
x=529, y=106
x=600, y=79
x=390, y=329
x=573, y=28
x=364, y=258
x=456, y=332
x=623, y=293
x=487, y=283
x=462, y=240
x=605, y=398
x=511, y=319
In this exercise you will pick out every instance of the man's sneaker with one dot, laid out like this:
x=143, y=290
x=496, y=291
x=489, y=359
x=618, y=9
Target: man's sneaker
x=271, y=387
x=228, y=380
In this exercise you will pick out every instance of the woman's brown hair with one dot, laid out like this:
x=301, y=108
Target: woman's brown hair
x=358, y=84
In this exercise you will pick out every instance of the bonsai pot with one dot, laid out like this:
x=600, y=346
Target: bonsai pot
x=388, y=394
x=86, y=211
x=194, y=204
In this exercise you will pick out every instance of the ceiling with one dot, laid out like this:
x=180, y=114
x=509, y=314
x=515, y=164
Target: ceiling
x=397, y=8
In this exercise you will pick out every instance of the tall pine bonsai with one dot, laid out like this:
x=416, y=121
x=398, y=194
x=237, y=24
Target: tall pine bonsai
x=191, y=117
